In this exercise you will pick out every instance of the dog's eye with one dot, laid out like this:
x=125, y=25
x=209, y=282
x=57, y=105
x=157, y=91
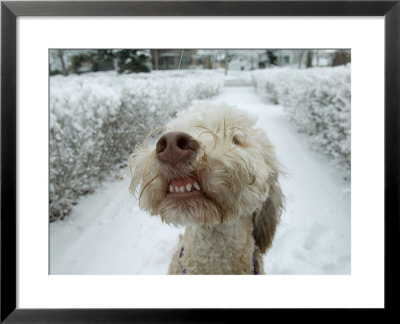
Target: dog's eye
x=235, y=140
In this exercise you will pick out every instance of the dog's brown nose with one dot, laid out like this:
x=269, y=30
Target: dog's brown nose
x=176, y=146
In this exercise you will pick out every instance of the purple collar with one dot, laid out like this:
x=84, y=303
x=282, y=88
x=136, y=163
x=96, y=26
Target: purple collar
x=255, y=272
x=180, y=256
x=255, y=264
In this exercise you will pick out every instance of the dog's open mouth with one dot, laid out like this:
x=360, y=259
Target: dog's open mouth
x=184, y=187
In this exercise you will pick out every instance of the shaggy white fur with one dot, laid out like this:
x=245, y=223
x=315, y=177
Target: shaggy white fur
x=216, y=174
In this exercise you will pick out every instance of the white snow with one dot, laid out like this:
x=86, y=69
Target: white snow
x=106, y=232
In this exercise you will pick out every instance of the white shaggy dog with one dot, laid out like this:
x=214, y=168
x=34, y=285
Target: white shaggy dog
x=215, y=173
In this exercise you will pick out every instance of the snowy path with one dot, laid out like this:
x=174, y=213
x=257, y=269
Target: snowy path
x=107, y=233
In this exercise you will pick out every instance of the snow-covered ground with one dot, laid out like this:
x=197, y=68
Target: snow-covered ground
x=106, y=232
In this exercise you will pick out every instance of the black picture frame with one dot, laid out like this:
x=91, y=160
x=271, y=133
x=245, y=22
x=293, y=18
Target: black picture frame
x=11, y=10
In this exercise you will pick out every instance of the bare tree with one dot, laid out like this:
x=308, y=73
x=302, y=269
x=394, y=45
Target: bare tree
x=60, y=54
x=309, y=59
x=300, y=57
x=317, y=56
x=155, y=59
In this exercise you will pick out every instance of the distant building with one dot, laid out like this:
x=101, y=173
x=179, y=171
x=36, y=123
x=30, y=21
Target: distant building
x=341, y=57
x=301, y=58
x=172, y=59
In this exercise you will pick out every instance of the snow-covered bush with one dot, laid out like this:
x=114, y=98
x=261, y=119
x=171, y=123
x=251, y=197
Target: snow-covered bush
x=318, y=101
x=96, y=120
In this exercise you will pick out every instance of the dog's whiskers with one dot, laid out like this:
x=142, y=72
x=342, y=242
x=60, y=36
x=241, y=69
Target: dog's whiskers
x=148, y=162
x=147, y=139
x=146, y=185
x=201, y=161
x=208, y=131
x=224, y=128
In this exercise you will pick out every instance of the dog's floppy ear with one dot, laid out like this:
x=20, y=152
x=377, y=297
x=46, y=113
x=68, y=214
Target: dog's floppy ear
x=267, y=218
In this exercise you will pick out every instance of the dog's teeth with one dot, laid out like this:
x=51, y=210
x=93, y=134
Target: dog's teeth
x=176, y=189
x=196, y=185
x=171, y=188
x=188, y=187
x=182, y=188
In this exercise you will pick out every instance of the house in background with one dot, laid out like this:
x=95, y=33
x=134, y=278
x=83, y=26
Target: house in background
x=303, y=58
x=168, y=59
x=172, y=59
x=341, y=57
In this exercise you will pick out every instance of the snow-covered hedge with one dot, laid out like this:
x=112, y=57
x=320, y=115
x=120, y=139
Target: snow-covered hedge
x=96, y=119
x=318, y=101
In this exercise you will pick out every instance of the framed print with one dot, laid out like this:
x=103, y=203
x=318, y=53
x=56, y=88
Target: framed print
x=199, y=48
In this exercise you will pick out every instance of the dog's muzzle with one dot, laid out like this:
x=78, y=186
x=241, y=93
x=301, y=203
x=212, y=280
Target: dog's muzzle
x=176, y=147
